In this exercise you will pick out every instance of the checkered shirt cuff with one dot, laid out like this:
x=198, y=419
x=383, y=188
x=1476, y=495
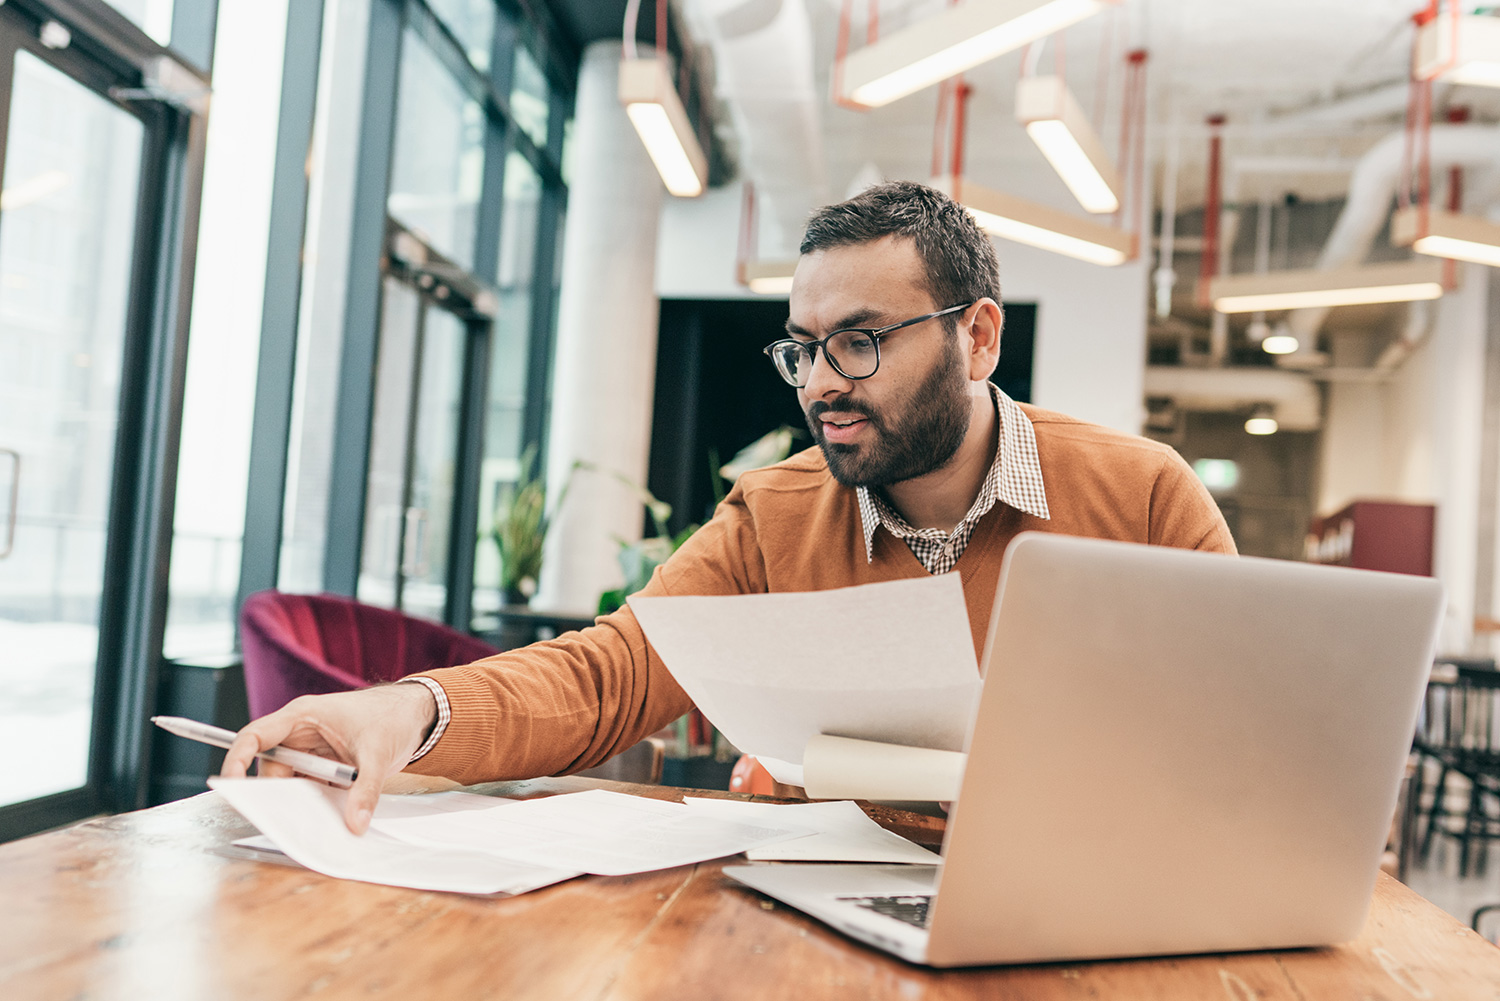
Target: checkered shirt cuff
x=444, y=713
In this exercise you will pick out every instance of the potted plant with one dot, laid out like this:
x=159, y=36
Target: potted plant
x=520, y=529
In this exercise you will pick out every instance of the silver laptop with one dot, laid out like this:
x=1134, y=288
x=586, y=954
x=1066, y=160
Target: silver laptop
x=1174, y=752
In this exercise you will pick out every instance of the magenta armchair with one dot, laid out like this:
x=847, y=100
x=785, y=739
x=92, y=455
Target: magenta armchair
x=310, y=644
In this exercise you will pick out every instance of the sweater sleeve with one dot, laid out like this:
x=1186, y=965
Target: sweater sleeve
x=1183, y=512
x=570, y=703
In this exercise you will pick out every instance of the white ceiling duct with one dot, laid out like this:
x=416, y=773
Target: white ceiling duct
x=1294, y=398
x=1381, y=101
x=763, y=61
x=1369, y=201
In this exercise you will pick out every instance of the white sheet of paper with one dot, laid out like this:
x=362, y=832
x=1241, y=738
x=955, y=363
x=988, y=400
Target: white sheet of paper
x=389, y=808
x=602, y=832
x=841, y=832
x=892, y=661
x=304, y=819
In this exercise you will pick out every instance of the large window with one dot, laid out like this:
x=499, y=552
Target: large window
x=72, y=165
x=421, y=364
x=97, y=192
x=438, y=162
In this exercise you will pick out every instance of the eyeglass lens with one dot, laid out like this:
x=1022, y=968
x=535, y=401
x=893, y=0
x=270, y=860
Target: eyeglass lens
x=852, y=352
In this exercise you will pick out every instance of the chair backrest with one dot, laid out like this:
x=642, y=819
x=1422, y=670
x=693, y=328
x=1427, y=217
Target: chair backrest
x=1461, y=710
x=312, y=644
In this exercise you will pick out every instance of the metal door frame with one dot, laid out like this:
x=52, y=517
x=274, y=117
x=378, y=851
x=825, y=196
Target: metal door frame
x=410, y=260
x=165, y=90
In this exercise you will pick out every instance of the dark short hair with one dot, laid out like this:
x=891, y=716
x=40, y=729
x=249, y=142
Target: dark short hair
x=960, y=259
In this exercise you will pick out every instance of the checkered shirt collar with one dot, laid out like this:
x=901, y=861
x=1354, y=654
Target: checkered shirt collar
x=1014, y=478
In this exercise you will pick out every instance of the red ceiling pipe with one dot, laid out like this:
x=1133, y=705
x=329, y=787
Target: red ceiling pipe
x=1208, y=266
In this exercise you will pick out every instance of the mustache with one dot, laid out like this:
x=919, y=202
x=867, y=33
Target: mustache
x=842, y=405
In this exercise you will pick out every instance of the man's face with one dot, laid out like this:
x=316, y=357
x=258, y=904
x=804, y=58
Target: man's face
x=910, y=417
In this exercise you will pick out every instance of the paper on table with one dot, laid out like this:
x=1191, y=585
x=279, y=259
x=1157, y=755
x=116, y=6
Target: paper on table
x=387, y=808
x=841, y=832
x=602, y=832
x=891, y=661
x=305, y=820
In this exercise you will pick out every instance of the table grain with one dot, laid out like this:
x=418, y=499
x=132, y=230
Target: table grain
x=139, y=906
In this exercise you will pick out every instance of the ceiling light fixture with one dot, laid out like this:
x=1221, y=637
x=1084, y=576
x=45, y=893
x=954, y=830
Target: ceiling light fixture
x=1280, y=344
x=656, y=111
x=1057, y=124
x=947, y=44
x=769, y=277
x=1446, y=234
x=1262, y=421
x=1465, y=50
x=1402, y=281
x=1016, y=219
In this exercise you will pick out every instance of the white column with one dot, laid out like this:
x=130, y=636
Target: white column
x=605, y=364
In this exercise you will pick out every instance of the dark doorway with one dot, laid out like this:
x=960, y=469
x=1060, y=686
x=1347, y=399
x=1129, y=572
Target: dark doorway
x=1017, y=345
x=716, y=391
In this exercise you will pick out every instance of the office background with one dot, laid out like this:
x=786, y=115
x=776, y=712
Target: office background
x=289, y=288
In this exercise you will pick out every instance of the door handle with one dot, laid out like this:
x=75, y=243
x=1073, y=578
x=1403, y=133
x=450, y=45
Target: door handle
x=15, y=500
x=414, y=556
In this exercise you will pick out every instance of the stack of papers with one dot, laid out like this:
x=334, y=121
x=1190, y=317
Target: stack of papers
x=462, y=843
x=891, y=662
x=840, y=832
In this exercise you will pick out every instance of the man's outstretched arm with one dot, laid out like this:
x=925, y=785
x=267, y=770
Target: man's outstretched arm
x=549, y=708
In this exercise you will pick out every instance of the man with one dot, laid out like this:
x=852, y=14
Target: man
x=922, y=466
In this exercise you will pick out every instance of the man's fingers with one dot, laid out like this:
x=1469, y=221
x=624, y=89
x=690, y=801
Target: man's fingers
x=273, y=770
x=243, y=751
x=363, y=796
x=268, y=731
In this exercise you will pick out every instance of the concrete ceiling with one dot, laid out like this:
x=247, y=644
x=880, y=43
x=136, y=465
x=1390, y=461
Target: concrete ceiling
x=1315, y=80
x=1319, y=79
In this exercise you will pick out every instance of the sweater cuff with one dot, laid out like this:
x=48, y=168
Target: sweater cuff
x=468, y=738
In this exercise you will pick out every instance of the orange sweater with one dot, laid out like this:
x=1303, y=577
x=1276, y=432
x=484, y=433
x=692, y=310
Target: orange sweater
x=570, y=703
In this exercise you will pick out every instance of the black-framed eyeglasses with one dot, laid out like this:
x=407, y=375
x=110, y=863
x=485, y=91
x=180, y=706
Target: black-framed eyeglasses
x=854, y=353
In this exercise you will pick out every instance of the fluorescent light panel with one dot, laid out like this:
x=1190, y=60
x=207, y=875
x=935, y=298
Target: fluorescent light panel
x=1402, y=281
x=1477, y=60
x=949, y=43
x=1016, y=219
x=1057, y=124
x=1447, y=234
x=769, y=277
x=651, y=101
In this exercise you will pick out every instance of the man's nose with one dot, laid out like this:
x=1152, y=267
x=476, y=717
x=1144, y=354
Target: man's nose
x=825, y=380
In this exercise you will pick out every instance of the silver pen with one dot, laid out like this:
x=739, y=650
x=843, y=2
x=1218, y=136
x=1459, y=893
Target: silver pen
x=311, y=765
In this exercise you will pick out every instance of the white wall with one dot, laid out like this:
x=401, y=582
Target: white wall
x=1090, y=357
x=1416, y=438
x=696, y=245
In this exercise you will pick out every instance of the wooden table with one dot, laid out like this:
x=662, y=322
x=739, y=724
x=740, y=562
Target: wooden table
x=139, y=907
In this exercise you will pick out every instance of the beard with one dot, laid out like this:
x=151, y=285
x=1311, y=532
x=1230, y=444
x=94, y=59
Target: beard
x=910, y=440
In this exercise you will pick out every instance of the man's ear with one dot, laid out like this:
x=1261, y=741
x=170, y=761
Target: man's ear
x=984, y=338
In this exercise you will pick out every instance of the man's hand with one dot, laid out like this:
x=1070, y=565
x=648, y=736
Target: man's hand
x=375, y=729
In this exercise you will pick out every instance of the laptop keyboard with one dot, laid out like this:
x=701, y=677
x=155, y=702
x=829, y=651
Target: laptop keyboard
x=911, y=909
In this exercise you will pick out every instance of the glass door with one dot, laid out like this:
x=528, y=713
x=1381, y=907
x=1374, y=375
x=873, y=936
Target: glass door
x=68, y=221
x=414, y=449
